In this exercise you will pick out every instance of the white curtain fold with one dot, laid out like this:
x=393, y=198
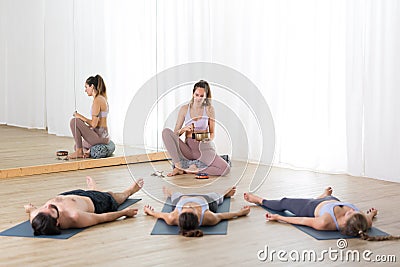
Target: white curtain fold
x=327, y=68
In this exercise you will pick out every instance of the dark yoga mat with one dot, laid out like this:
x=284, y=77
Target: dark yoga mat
x=161, y=228
x=324, y=235
x=25, y=229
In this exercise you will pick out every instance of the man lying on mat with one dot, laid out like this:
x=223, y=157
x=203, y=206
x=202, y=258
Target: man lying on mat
x=80, y=208
x=194, y=210
x=325, y=212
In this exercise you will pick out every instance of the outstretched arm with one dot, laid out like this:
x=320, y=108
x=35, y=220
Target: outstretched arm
x=168, y=217
x=86, y=219
x=217, y=217
x=317, y=223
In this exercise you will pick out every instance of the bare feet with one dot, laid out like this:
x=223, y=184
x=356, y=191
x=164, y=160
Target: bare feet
x=327, y=192
x=175, y=171
x=230, y=192
x=76, y=155
x=252, y=198
x=167, y=192
x=136, y=186
x=91, y=184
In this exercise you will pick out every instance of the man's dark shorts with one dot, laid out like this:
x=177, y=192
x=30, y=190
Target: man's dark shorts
x=103, y=202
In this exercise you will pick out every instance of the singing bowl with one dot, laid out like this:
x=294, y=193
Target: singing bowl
x=202, y=136
x=62, y=153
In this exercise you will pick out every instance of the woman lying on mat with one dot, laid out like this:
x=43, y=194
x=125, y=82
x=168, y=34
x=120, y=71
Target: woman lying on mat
x=192, y=211
x=197, y=116
x=80, y=208
x=325, y=212
x=94, y=130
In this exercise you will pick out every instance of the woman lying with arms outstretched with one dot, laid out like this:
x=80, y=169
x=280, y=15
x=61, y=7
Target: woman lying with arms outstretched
x=325, y=212
x=194, y=210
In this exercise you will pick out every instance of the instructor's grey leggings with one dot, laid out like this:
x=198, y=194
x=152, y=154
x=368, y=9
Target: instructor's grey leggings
x=301, y=207
x=91, y=136
x=191, y=150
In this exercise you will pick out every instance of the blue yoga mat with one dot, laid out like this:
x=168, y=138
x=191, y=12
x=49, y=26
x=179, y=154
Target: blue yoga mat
x=25, y=229
x=324, y=235
x=162, y=228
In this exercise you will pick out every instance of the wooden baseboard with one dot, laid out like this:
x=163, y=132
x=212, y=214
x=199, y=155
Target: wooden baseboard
x=81, y=164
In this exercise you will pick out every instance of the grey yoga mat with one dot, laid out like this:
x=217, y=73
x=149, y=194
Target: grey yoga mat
x=324, y=235
x=25, y=230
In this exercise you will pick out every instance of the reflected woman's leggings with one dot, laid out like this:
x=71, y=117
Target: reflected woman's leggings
x=192, y=150
x=90, y=136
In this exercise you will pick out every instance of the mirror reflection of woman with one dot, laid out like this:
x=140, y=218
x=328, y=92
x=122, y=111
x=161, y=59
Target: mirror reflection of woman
x=197, y=116
x=89, y=132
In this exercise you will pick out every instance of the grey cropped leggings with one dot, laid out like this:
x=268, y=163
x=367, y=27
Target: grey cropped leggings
x=192, y=150
x=90, y=136
x=301, y=207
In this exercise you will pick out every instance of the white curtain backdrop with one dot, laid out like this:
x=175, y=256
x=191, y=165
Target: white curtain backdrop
x=327, y=68
x=22, y=57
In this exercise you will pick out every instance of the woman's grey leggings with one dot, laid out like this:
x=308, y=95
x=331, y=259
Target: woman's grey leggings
x=301, y=207
x=91, y=136
x=192, y=150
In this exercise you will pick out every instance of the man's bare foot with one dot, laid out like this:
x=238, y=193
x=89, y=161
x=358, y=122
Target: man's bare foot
x=230, y=192
x=91, y=184
x=167, y=192
x=136, y=186
x=327, y=192
x=76, y=155
x=175, y=171
x=252, y=198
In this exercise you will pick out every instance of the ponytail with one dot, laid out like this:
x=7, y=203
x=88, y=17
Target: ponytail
x=357, y=225
x=188, y=224
x=101, y=86
x=98, y=84
x=192, y=233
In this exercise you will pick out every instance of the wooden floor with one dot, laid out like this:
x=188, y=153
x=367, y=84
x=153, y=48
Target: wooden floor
x=129, y=243
x=32, y=151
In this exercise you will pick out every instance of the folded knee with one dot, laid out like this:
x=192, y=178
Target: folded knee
x=167, y=132
x=73, y=122
x=227, y=169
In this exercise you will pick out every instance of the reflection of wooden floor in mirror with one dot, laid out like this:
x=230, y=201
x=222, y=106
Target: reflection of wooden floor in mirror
x=32, y=151
x=129, y=243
